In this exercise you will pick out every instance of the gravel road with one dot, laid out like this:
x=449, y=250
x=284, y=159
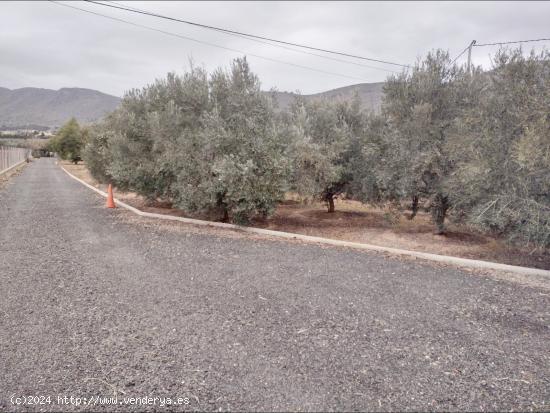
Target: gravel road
x=95, y=303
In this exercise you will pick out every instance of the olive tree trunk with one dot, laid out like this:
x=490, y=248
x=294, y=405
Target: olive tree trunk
x=330, y=202
x=414, y=207
x=440, y=205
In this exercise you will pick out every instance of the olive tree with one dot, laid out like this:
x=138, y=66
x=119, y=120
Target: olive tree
x=132, y=147
x=502, y=181
x=97, y=154
x=320, y=137
x=421, y=108
x=371, y=181
x=69, y=140
x=234, y=162
x=206, y=143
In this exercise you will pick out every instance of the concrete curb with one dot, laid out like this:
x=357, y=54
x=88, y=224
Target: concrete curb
x=461, y=262
x=11, y=167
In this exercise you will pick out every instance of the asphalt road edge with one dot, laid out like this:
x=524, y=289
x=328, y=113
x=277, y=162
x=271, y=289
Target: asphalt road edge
x=460, y=262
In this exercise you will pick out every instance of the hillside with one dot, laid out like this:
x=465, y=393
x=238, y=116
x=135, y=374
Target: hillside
x=47, y=107
x=370, y=94
x=35, y=108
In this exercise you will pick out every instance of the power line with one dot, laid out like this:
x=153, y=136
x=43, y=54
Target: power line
x=512, y=42
x=285, y=47
x=206, y=43
x=219, y=29
x=461, y=53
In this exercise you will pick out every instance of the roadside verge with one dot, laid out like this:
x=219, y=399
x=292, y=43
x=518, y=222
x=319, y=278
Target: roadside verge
x=12, y=167
x=461, y=262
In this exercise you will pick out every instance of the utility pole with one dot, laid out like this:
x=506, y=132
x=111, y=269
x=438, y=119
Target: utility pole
x=470, y=56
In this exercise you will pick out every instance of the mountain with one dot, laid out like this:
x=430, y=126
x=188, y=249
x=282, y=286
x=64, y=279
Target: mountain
x=34, y=108
x=370, y=94
x=20, y=108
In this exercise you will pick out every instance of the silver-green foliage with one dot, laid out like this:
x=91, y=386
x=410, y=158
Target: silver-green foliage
x=207, y=143
x=234, y=161
x=69, y=140
x=502, y=182
x=322, y=137
x=97, y=152
x=475, y=144
x=420, y=109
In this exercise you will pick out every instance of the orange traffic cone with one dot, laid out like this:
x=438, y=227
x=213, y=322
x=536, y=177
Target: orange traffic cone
x=110, y=200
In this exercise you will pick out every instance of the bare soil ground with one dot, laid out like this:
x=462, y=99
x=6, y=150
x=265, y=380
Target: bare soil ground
x=357, y=222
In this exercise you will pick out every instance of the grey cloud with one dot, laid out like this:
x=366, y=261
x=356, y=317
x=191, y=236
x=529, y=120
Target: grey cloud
x=46, y=45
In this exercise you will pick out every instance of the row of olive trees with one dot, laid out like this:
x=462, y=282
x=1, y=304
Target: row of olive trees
x=472, y=146
x=216, y=144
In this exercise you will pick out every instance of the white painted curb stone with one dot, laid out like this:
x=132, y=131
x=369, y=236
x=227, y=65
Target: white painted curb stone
x=461, y=262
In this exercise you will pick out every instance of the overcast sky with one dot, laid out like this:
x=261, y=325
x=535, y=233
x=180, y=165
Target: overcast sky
x=46, y=45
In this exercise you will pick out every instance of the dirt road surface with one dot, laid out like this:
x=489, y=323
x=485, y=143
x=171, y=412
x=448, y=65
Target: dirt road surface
x=94, y=303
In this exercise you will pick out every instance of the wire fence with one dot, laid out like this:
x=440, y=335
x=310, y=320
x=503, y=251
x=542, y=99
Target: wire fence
x=10, y=156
